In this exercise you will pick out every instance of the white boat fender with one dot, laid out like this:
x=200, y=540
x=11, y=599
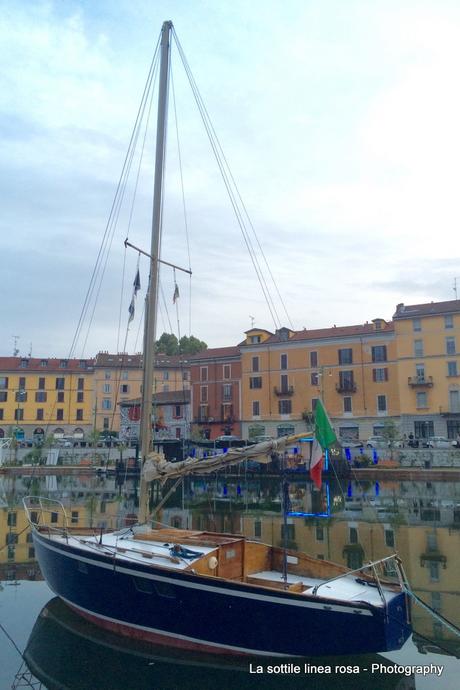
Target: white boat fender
x=212, y=563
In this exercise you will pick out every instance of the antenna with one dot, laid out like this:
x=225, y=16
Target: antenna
x=15, y=348
x=455, y=288
x=252, y=320
x=30, y=351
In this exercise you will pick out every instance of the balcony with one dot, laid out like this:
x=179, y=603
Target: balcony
x=284, y=391
x=346, y=387
x=422, y=381
x=433, y=557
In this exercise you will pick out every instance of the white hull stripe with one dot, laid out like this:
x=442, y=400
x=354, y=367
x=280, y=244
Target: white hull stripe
x=176, y=636
x=356, y=610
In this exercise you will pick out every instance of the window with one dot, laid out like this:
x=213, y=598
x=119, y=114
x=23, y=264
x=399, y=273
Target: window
x=416, y=324
x=166, y=376
x=106, y=388
x=227, y=371
x=434, y=571
x=418, y=348
x=450, y=346
x=20, y=396
x=255, y=408
x=124, y=376
x=63, y=363
x=313, y=359
x=319, y=533
x=420, y=372
x=284, y=383
x=79, y=416
x=288, y=532
x=11, y=538
x=203, y=373
x=255, y=382
x=453, y=428
x=59, y=414
x=285, y=406
x=80, y=396
x=22, y=382
x=165, y=387
x=257, y=529
x=285, y=430
x=421, y=400
x=3, y=396
x=24, y=363
x=346, y=381
x=74, y=518
x=347, y=405
x=255, y=364
x=380, y=375
x=448, y=321
x=314, y=379
x=389, y=538
x=353, y=535
x=19, y=414
x=283, y=362
x=106, y=404
x=204, y=394
x=452, y=369
x=107, y=375
x=349, y=433
x=60, y=383
x=346, y=356
x=54, y=518
x=1, y=415
x=379, y=353
x=44, y=363
x=254, y=339
x=124, y=388
x=227, y=392
x=381, y=403
x=82, y=364
x=313, y=404
x=185, y=376
x=106, y=423
x=80, y=384
x=41, y=383
x=40, y=414
x=11, y=520
x=3, y=381
x=423, y=429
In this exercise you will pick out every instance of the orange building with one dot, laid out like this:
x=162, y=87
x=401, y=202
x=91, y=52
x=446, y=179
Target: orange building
x=351, y=368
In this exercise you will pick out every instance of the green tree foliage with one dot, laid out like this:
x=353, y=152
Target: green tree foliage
x=170, y=345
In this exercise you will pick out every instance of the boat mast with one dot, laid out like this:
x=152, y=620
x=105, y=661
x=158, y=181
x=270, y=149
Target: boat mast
x=151, y=299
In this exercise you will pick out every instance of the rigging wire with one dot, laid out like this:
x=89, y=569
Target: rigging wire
x=227, y=179
x=115, y=204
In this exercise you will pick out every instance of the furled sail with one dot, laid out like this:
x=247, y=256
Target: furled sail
x=156, y=467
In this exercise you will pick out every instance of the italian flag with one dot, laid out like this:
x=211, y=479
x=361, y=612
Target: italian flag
x=324, y=437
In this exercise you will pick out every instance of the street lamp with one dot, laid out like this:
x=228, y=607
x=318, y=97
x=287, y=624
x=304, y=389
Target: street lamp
x=21, y=396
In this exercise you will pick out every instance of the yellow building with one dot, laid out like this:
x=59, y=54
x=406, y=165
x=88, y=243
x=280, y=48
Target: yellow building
x=428, y=354
x=118, y=378
x=351, y=368
x=45, y=396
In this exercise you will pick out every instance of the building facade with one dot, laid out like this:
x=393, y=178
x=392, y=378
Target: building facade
x=40, y=397
x=428, y=353
x=352, y=369
x=216, y=392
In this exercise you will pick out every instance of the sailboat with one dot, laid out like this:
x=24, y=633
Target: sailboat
x=205, y=591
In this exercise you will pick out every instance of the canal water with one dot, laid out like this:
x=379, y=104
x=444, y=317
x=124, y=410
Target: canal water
x=43, y=645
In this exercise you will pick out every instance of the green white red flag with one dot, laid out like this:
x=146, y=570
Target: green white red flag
x=324, y=438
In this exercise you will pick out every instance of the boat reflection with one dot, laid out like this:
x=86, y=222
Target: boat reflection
x=65, y=651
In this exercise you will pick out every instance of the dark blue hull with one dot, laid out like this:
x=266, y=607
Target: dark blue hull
x=184, y=609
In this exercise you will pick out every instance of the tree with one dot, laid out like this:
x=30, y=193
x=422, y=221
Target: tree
x=390, y=433
x=187, y=345
x=191, y=345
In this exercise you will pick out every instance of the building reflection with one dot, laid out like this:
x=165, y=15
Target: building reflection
x=367, y=520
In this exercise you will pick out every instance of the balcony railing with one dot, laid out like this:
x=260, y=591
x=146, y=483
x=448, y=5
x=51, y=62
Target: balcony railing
x=415, y=381
x=433, y=557
x=346, y=387
x=283, y=390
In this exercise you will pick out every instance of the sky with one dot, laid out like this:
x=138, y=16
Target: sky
x=339, y=121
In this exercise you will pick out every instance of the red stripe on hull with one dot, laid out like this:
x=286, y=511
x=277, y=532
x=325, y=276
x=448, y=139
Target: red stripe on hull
x=156, y=638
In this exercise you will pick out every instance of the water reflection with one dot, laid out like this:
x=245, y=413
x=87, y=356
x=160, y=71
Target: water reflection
x=64, y=651
x=367, y=520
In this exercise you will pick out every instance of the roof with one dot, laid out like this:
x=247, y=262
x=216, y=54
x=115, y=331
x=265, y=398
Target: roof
x=45, y=364
x=411, y=311
x=163, y=398
x=124, y=360
x=323, y=333
x=215, y=353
